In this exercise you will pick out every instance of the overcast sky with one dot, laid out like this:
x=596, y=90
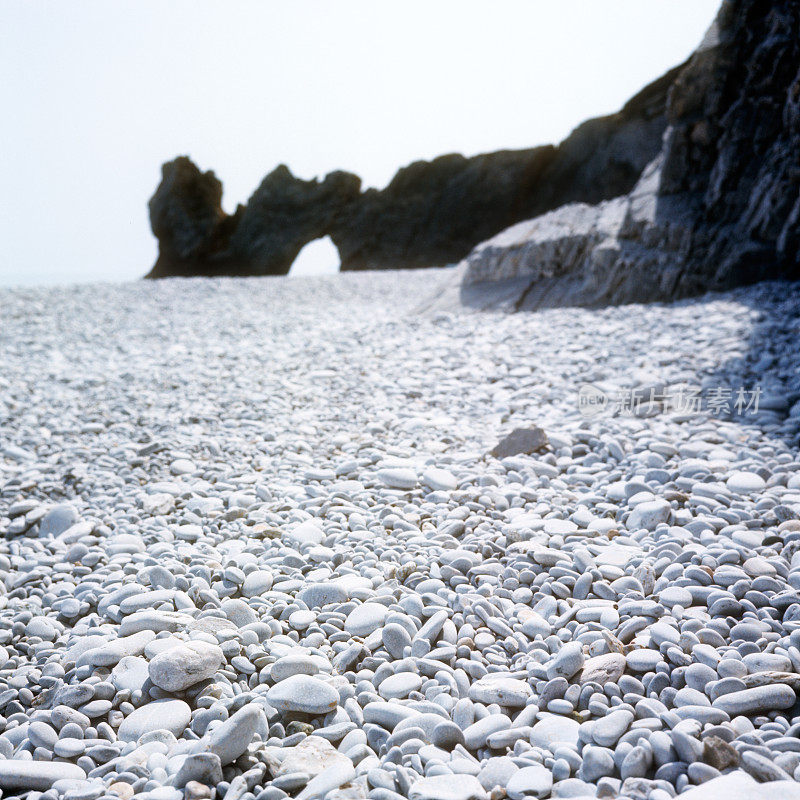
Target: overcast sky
x=95, y=95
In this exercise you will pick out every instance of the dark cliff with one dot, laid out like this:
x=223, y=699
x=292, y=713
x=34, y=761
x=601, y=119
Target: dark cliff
x=432, y=213
x=718, y=208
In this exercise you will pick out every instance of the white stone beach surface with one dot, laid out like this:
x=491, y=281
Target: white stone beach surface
x=253, y=545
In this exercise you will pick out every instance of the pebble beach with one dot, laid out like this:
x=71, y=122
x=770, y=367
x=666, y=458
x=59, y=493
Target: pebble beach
x=261, y=539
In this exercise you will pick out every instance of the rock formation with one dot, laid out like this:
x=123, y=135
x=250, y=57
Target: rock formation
x=719, y=206
x=432, y=213
x=196, y=237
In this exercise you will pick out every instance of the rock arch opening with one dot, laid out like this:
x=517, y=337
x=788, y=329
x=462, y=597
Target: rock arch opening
x=318, y=257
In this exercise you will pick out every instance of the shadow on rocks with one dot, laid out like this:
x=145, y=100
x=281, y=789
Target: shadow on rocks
x=768, y=365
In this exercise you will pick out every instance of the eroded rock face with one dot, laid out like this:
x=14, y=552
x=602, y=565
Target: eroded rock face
x=719, y=207
x=284, y=214
x=196, y=237
x=432, y=213
x=186, y=216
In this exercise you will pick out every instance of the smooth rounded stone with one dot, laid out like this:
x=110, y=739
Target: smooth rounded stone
x=257, y=583
x=447, y=735
x=131, y=673
x=63, y=715
x=156, y=646
x=535, y=781
x=731, y=668
x=602, y=669
x=151, y=621
x=182, y=466
x=675, y=596
x=395, y=639
x=560, y=706
x=43, y=628
x=546, y=556
x=745, y=482
x=520, y=440
x=152, y=599
x=705, y=715
x=69, y=747
x=758, y=567
x=158, y=503
x=204, y=768
x=322, y=594
x=706, y=654
x=536, y=625
x=425, y=722
x=553, y=730
x=738, y=785
x=496, y=772
x=238, y=612
x=573, y=788
x=400, y=685
x=757, y=700
x=559, y=527
x=767, y=662
x=698, y=676
x=762, y=768
x=309, y=532
x=300, y=620
x=180, y=667
x=111, y=653
x=303, y=693
x=96, y=708
x=503, y=740
x=447, y=787
x=398, y=477
x=568, y=661
x=70, y=607
x=607, y=730
x=387, y=714
x=598, y=762
x=329, y=779
x=690, y=697
x=290, y=782
x=726, y=686
x=37, y=775
x=440, y=480
x=160, y=578
x=475, y=735
x=293, y=664
x=160, y=715
x=648, y=515
x=189, y=533
x=700, y=773
x=42, y=735
x=505, y=692
x=552, y=690
x=636, y=764
x=311, y=757
x=662, y=632
x=644, y=660
x=365, y=619
x=70, y=730
x=161, y=792
x=58, y=520
x=231, y=737
x=747, y=631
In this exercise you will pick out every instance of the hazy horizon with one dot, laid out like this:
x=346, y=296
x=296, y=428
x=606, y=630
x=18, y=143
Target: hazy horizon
x=98, y=96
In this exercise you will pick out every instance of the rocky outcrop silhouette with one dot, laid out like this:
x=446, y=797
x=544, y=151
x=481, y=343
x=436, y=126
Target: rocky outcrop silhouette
x=196, y=237
x=432, y=213
x=719, y=207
